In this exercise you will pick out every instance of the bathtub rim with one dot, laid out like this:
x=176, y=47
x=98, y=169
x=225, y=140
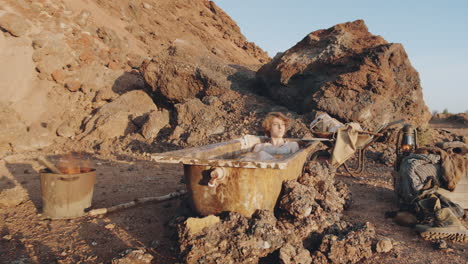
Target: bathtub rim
x=185, y=156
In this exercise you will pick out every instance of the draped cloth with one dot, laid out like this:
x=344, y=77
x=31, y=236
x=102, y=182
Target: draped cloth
x=348, y=141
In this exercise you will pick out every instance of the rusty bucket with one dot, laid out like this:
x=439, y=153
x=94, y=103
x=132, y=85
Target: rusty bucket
x=66, y=196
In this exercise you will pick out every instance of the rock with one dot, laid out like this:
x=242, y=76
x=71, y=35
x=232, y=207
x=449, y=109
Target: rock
x=83, y=17
x=298, y=200
x=105, y=95
x=64, y=130
x=113, y=65
x=73, y=85
x=12, y=125
x=176, y=80
x=128, y=82
x=114, y=119
x=37, y=137
x=297, y=254
x=195, y=225
x=440, y=244
x=51, y=55
x=185, y=72
x=87, y=57
x=134, y=60
x=156, y=121
x=212, y=100
x=194, y=111
x=147, y=6
x=137, y=256
x=109, y=37
x=345, y=244
x=383, y=245
x=12, y=197
x=198, y=120
x=176, y=133
x=109, y=226
x=58, y=76
x=235, y=239
x=348, y=73
x=16, y=25
x=218, y=130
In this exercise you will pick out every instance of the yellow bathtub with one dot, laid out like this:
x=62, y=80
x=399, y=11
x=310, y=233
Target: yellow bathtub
x=218, y=181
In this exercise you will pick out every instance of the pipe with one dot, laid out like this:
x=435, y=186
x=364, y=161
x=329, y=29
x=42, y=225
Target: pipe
x=216, y=175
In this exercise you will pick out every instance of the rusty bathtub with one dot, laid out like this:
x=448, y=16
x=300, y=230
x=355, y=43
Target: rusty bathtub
x=218, y=181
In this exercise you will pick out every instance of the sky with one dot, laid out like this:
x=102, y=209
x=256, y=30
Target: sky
x=433, y=33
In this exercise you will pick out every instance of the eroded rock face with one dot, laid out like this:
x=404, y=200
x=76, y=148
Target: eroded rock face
x=348, y=73
x=15, y=24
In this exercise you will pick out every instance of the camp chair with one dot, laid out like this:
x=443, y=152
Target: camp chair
x=365, y=139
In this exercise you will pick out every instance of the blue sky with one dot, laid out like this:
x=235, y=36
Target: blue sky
x=434, y=34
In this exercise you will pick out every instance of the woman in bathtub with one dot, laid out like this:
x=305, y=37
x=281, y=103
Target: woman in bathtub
x=274, y=125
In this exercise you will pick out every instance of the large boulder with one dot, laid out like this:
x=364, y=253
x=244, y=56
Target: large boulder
x=185, y=71
x=119, y=117
x=199, y=120
x=350, y=74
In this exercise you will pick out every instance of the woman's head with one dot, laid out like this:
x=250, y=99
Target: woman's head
x=275, y=124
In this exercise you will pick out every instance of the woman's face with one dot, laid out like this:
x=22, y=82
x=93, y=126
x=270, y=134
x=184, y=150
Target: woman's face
x=278, y=128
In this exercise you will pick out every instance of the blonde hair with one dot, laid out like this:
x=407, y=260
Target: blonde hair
x=266, y=125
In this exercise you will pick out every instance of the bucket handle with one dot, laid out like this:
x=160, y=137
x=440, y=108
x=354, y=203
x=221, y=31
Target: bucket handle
x=69, y=179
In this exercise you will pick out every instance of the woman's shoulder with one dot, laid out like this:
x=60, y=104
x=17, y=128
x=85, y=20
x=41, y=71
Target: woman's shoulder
x=258, y=147
x=292, y=143
x=293, y=146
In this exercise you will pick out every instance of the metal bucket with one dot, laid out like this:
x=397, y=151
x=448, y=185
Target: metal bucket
x=66, y=196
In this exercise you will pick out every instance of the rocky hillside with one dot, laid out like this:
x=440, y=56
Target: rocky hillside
x=68, y=68
x=113, y=76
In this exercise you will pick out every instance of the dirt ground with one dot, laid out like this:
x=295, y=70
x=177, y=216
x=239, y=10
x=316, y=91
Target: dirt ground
x=27, y=238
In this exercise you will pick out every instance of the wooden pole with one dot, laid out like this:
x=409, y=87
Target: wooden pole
x=136, y=202
x=43, y=160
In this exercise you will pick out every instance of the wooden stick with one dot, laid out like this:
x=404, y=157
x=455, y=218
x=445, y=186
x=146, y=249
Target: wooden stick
x=136, y=202
x=316, y=139
x=371, y=133
x=43, y=160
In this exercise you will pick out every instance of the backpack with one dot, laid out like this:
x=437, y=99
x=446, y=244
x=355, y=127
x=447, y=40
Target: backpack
x=416, y=184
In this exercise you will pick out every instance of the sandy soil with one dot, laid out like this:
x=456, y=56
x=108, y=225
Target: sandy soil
x=27, y=238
